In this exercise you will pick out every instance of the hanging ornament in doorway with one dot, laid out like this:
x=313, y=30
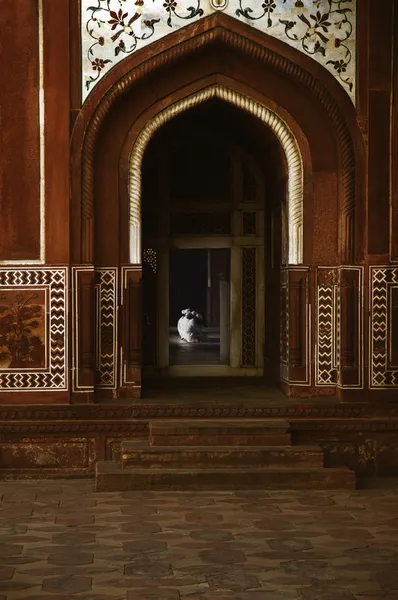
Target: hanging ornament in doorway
x=219, y=4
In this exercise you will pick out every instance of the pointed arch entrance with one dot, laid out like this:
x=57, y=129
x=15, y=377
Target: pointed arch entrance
x=294, y=209
x=234, y=341
x=229, y=62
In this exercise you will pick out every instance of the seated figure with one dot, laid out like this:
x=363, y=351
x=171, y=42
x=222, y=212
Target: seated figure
x=189, y=325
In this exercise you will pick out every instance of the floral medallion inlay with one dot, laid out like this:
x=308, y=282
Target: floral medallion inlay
x=323, y=29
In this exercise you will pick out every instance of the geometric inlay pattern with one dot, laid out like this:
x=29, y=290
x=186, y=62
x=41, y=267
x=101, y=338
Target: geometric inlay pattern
x=326, y=360
x=382, y=280
x=325, y=30
x=33, y=329
x=106, y=327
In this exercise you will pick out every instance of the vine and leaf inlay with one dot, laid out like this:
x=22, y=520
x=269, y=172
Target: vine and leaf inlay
x=313, y=30
x=125, y=36
x=322, y=29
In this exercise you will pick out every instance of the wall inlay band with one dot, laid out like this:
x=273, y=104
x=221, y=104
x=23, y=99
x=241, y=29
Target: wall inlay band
x=269, y=118
x=383, y=373
x=325, y=30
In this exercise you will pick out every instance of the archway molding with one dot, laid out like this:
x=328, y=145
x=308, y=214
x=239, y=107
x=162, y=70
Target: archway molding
x=215, y=29
x=294, y=233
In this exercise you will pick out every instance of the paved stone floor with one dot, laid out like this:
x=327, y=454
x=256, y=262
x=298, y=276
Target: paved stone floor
x=59, y=539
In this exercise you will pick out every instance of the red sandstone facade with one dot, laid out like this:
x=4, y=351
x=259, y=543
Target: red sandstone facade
x=65, y=238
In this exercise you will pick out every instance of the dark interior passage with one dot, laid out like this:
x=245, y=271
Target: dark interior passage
x=213, y=176
x=198, y=280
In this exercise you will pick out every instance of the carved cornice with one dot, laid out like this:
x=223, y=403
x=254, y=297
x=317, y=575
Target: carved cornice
x=97, y=414
x=349, y=426
x=132, y=420
x=71, y=429
x=303, y=421
x=257, y=51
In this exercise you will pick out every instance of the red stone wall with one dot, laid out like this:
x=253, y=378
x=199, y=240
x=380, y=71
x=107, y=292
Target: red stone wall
x=374, y=133
x=34, y=201
x=19, y=131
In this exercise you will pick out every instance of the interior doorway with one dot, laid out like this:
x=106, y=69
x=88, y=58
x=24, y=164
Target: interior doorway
x=199, y=306
x=214, y=184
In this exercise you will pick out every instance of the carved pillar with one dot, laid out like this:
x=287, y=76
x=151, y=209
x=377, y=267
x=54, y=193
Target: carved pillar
x=298, y=326
x=131, y=332
x=350, y=331
x=248, y=307
x=83, y=337
x=224, y=321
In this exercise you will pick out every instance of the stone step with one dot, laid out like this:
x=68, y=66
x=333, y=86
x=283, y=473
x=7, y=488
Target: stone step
x=111, y=477
x=139, y=454
x=220, y=432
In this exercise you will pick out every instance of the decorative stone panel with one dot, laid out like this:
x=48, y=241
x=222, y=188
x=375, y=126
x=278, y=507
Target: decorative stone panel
x=33, y=329
x=339, y=327
x=106, y=327
x=83, y=329
x=326, y=368
x=131, y=329
x=325, y=30
x=284, y=326
x=296, y=326
x=349, y=321
x=383, y=327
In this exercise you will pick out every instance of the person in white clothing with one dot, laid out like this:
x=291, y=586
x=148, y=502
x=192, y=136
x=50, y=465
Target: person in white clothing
x=189, y=326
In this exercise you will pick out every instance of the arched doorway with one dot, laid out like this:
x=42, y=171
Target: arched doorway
x=125, y=112
x=214, y=199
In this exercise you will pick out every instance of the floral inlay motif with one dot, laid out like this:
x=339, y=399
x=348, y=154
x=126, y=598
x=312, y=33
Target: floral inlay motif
x=328, y=26
x=322, y=29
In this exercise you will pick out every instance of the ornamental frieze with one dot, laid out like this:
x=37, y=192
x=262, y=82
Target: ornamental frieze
x=324, y=30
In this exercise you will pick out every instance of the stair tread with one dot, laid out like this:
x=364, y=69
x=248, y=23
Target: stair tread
x=113, y=467
x=214, y=424
x=145, y=446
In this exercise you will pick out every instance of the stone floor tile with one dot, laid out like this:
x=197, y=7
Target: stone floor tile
x=157, y=594
x=75, y=538
x=41, y=596
x=224, y=556
x=70, y=584
x=290, y=544
x=18, y=497
x=148, y=569
x=75, y=521
x=10, y=549
x=69, y=557
x=233, y=581
x=18, y=560
x=325, y=593
x=6, y=573
x=197, y=545
x=11, y=586
x=211, y=535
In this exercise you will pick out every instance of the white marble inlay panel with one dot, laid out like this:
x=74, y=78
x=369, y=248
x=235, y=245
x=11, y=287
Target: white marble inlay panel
x=325, y=30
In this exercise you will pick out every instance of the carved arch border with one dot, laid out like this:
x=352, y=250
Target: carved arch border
x=281, y=130
x=220, y=33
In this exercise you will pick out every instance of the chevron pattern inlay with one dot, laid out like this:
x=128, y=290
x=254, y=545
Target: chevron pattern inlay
x=106, y=328
x=382, y=279
x=54, y=376
x=326, y=369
